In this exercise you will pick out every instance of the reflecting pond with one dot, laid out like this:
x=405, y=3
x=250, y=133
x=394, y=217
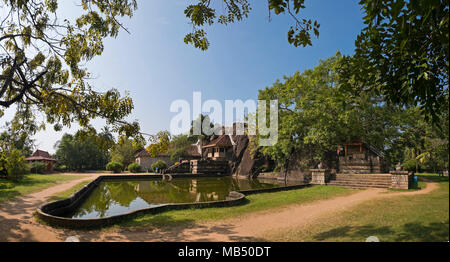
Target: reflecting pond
x=113, y=197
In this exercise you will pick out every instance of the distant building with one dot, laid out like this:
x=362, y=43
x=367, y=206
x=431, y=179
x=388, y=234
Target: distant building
x=44, y=157
x=220, y=148
x=145, y=160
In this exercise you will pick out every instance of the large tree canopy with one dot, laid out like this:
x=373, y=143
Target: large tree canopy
x=42, y=60
x=403, y=53
x=316, y=115
x=80, y=152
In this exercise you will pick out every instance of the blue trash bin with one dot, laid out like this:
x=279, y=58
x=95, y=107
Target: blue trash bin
x=415, y=179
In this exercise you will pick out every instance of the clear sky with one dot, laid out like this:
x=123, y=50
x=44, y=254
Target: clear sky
x=156, y=67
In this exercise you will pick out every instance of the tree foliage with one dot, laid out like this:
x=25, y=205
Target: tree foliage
x=134, y=168
x=403, y=53
x=204, y=13
x=316, y=115
x=159, y=143
x=12, y=162
x=18, y=133
x=179, y=146
x=80, y=152
x=159, y=165
x=42, y=61
x=125, y=150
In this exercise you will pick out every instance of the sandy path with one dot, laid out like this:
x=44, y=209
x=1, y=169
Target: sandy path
x=17, y=221
x=16, y=216
x=252, y=227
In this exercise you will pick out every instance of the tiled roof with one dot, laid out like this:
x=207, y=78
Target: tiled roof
x=142, y=153
x=221, y=141
x=40, y=155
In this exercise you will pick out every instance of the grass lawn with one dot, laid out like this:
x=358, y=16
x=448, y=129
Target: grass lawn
x=269, y=202
x=400, y=218
x=29, y=184
x=69, y=192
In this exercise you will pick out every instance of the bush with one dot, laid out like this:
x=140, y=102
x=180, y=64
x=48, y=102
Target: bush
x=15, y=164
x=410, y=165
x=115, y=167
x=60, y=168
x=159, y=165
x=134, y=168
x=38, y=167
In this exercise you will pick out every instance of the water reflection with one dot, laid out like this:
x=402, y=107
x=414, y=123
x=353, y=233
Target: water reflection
x=115, y=197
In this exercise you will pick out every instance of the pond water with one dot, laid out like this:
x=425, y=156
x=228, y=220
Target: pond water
x=114, y=197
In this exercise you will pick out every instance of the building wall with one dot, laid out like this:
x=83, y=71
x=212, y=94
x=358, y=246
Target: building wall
x=146, y=162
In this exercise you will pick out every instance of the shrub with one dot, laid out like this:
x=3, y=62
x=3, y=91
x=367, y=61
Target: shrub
x=410, y=165
x=115, y=167
x=160, y=165
x=134, y=168
x=15, y=164
x=38, y=167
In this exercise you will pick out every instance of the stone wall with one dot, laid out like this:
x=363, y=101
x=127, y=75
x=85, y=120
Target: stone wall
x=320, y=176
x=401, y=179
x=208, y=167
x=146, y=162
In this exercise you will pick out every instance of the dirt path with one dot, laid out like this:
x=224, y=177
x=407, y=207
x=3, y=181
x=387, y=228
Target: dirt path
x=16, y=216
x=17, y=221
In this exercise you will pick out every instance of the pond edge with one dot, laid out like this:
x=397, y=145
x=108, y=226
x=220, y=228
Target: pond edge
x=50, y=212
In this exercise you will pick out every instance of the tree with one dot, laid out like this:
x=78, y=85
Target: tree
x=18, y=133
x=203, y=13
x=80, y=152
x=159, y=143
x=403, y=53
x=179, y=146
x=42, y=61
x=125, y=150
x=316, y=115
x=419, y=142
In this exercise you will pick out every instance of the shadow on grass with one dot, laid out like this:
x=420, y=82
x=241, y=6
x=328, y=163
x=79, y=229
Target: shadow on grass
x=7, y=195
x=437, y=179
x=164, y=220
x=416, y=232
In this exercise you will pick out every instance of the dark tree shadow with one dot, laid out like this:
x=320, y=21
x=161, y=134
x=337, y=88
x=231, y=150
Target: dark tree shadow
x=417, y=232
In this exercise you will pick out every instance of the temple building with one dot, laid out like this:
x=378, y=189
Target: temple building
x=44, y=157
x=359, y=157
x=219, y=148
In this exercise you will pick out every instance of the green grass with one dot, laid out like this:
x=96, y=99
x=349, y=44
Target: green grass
x=29, y=184
x=269, y=202
x=69, y=192
x=96, y=171
x=402, y=218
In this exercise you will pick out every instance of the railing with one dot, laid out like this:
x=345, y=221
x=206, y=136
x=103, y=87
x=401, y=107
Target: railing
x=376, y=151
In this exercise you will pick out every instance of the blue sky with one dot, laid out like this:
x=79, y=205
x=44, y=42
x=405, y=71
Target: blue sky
x=156, y=67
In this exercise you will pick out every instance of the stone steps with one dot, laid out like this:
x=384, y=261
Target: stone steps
x=359, y=184
x=361, y=180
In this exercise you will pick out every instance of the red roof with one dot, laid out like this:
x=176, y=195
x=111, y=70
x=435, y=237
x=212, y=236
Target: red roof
x=221, y=141
x=142, y=153
x=193, y=151
x=40, y=155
